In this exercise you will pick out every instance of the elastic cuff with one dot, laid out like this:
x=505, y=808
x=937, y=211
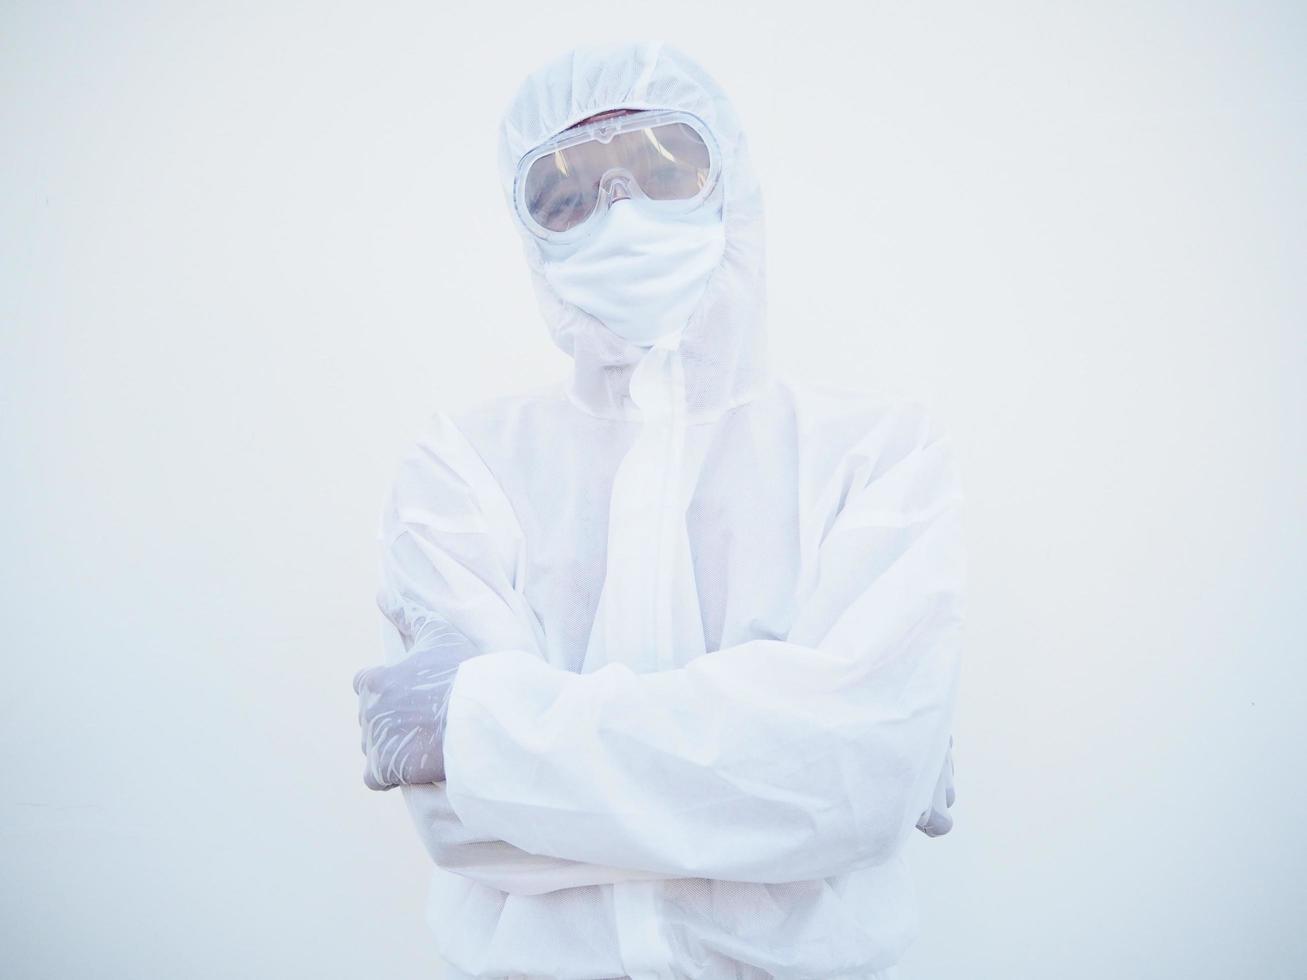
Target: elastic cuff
x=474, y=685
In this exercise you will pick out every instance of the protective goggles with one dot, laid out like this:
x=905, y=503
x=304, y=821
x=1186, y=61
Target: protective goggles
x=660, y=155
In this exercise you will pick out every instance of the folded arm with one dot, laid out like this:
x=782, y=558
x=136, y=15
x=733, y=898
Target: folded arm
x=767, y=761
x=451, y=550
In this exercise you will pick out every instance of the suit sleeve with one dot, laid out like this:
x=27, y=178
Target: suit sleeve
x=451, y=549
x=767, y=761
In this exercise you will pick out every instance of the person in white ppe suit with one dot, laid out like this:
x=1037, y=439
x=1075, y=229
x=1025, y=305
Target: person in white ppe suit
x=675, y=645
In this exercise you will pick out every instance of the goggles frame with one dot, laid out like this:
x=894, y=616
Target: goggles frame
x=604, y=131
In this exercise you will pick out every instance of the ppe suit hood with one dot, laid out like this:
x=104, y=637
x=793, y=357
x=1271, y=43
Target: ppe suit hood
x=721, y=349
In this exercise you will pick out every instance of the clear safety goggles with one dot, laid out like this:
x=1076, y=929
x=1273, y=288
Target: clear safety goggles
x=660, y=155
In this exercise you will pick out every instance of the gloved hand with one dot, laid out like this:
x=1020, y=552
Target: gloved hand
x=402, y=709
x=937, y=821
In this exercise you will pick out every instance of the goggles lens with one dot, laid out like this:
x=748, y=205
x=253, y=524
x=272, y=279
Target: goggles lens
x=668, y=162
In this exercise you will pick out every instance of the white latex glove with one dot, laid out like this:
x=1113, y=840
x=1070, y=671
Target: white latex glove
x=402, y=709
x=937, y=821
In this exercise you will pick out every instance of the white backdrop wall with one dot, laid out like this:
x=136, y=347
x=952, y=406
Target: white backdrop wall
x=245, y=249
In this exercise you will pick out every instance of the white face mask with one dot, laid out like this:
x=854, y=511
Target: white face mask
x=642, y=272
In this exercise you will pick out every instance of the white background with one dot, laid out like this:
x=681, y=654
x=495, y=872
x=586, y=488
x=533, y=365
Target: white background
x=245, y=249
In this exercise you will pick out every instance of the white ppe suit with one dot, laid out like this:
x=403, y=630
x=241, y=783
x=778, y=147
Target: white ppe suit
x=720, y=619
